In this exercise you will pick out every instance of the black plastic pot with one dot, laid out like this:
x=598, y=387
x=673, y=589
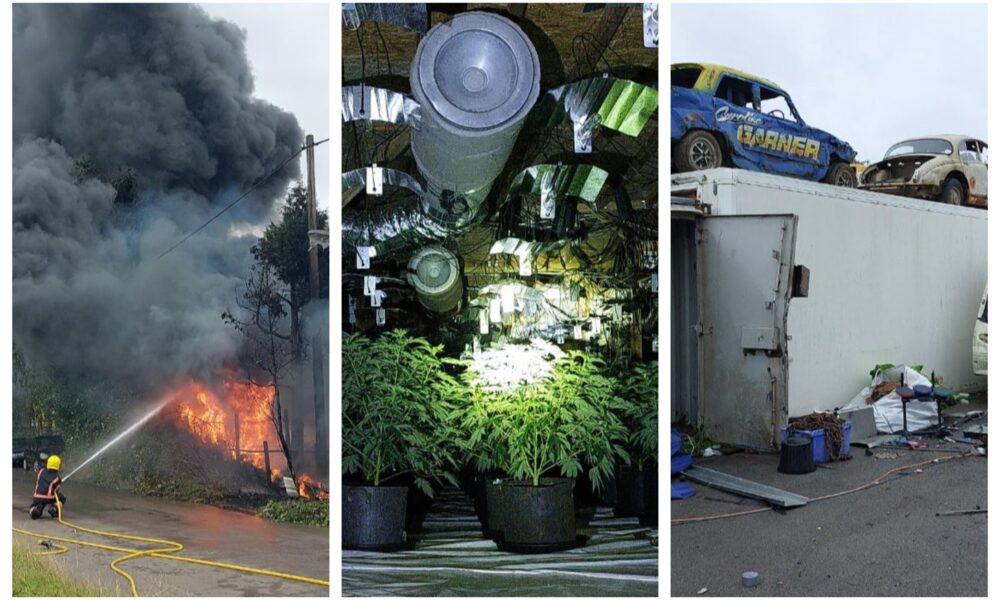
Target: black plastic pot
x=374, y=517
x=418, y=505
x=537, y=518
x=586, y=501
x=651, y=497
x=631, y=488
x=495, y=493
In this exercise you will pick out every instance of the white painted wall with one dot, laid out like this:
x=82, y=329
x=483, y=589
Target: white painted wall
x=892, y=280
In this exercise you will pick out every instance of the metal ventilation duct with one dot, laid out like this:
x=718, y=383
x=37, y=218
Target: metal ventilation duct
x=476, y=78
x=437, y=277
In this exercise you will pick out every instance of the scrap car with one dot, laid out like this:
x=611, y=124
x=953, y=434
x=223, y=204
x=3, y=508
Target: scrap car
x=725, y=117
x=946, y=168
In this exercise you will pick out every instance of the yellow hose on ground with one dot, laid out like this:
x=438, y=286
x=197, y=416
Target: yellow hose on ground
x=168, y=552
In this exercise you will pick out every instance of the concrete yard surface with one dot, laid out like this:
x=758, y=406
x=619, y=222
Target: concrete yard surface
x=881, y=541
x=206, y=532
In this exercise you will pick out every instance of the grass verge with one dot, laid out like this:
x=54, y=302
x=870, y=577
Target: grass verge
x=37, y=576
x=307, y=512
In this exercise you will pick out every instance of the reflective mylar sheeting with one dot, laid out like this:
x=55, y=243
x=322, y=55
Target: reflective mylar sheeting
x=411, y=16
x=451, y=558
x=390, y=177
x=617, y=104
x=392, y=229
x=366, y=103
x=560, y=181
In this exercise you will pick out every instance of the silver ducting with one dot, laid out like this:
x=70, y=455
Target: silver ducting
x=476, y=78
x=436, y=276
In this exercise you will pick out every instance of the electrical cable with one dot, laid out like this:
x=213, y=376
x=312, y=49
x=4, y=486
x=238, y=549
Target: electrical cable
x=872, y=483
x=169, y=552
x=256, y=185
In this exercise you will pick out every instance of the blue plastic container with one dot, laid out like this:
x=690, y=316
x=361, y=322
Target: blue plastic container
x=818, y=436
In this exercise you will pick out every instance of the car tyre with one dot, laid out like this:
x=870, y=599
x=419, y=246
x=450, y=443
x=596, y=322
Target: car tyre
x=952, y=192
x=699, y=150
x=841, y=174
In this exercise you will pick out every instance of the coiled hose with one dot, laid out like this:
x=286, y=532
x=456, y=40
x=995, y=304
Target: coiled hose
x=168, y=551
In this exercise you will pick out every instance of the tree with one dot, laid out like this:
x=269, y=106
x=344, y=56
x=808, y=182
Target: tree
x=268, y=349
x=284, y=248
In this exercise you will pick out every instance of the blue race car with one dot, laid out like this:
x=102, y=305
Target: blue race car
x=724, y=117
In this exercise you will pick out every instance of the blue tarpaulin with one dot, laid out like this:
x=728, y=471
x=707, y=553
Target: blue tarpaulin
x=679, y=461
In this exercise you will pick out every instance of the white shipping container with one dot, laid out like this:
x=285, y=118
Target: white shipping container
x=890, y=280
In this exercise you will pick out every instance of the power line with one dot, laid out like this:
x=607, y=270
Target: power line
x=256, y=185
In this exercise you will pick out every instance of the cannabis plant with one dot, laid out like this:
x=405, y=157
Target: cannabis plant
x=639, y=391
x=564, y=423
x=398, y=404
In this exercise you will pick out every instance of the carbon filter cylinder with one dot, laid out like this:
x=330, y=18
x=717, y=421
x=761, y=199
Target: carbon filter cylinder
x=436, y=276
x=476, y=77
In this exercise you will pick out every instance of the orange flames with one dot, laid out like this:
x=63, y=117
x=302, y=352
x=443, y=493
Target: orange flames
x=212, y=414
x=310, y=488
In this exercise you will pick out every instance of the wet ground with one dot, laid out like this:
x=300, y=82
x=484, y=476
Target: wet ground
x=883, y=541
x=206, y=532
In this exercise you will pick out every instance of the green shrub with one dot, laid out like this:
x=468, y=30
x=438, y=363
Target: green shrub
x=398, y=403
x=307, y=512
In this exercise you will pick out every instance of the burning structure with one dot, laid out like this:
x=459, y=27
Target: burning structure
x=133, y=126
x=499, y=239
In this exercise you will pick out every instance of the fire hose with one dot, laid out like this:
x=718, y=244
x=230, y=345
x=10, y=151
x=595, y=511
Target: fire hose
x=168, y=552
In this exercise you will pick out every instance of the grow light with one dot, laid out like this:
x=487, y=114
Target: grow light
x=507, y=366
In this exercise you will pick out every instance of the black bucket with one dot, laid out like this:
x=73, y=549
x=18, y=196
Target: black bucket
x=538, y=518
x=495, y=498
x=796, y=456
x=374, y=517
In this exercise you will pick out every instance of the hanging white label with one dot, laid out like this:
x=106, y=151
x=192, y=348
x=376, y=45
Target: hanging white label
x=547, y=209
x=495, y=313
x=363, y=256
x=524, y=264
x=484, y=322
x=370, y=282
x=380, y=316
x=352, y=305
x=507, y=299
x=654, y=283
x=578, y=332
x=595, y=326
x=376, y=298
x=373, y=180
x=656, y=344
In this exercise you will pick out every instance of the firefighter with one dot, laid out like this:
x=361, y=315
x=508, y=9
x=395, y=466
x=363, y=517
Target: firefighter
x=48, y=486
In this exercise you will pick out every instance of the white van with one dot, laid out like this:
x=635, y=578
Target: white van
x=979, y=337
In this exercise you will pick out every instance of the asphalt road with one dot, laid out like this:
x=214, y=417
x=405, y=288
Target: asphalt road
x=206, y=532
x=883, y=541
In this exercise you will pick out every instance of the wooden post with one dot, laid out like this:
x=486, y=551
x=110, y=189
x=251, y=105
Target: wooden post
x=319, y=391
x=236, y=433
x=267, y=464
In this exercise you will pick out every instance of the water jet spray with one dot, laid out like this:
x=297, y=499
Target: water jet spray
x=122, y=435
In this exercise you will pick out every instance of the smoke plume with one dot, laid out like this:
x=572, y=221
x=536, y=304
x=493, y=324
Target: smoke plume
x=133, y=124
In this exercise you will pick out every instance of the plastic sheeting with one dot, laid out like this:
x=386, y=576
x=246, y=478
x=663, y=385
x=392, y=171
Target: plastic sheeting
x=452, y=558
x=889, y=408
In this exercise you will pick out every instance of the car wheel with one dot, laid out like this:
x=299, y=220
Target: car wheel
x=699, y=150
x=952, y=192
x=841, y=174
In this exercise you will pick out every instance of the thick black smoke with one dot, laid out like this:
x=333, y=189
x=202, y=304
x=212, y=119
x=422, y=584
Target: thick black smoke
x=162, y=96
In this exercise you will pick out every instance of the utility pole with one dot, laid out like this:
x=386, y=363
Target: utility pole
x=322, y=444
